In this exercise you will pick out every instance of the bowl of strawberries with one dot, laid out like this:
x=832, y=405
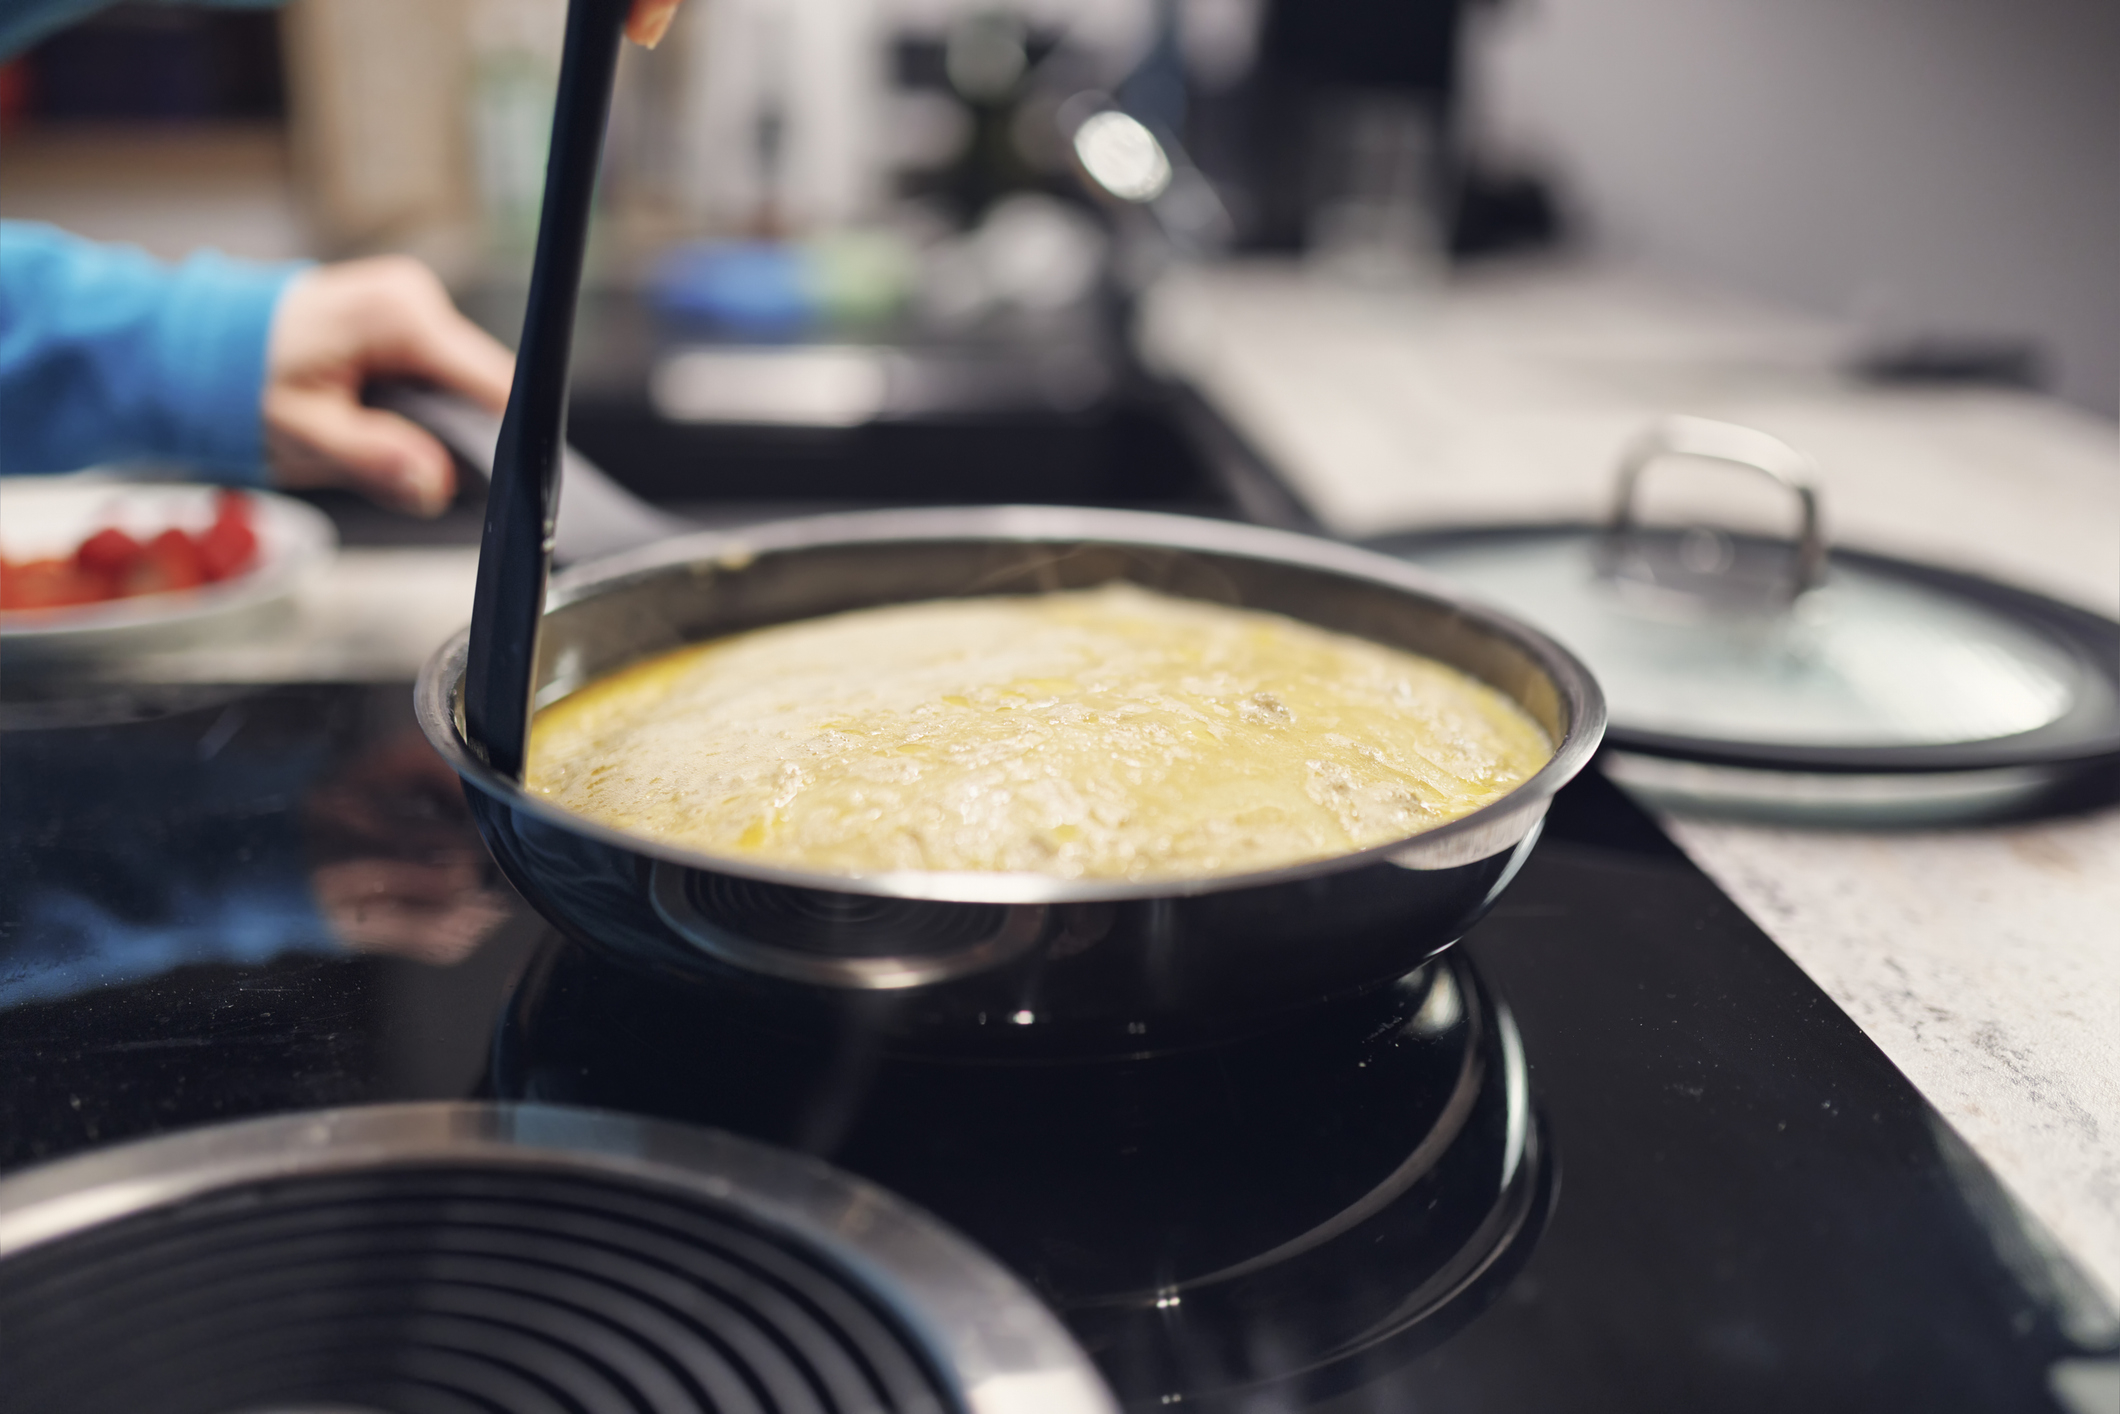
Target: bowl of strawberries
x=90, y=566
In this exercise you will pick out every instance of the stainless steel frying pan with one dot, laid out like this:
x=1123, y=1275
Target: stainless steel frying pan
x=1019, y=963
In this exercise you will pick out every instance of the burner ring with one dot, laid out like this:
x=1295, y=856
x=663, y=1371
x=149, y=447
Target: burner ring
x=860, y=942
x=451, y=1257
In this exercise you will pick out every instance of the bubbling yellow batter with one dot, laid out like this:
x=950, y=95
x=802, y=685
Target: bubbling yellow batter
x=1110, y=733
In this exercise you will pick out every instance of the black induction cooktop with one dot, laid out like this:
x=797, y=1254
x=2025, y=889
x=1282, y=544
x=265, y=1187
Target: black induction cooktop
x=1615, y=1151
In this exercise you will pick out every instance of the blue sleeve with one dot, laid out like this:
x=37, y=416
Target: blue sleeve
x=108, y=354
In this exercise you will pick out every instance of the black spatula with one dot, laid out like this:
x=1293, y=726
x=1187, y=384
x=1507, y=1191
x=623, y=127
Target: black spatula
x=516, y=552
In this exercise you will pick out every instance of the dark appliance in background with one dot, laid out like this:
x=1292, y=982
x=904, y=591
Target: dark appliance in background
x=990, y=418
x=1342, y=85
x=155, y=64
x=1326, y=70
x=1058, y=414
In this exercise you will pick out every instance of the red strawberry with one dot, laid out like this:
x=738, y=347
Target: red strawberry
x=47, y=584
x=228, y=548
x=170, y=561
x=108, y=554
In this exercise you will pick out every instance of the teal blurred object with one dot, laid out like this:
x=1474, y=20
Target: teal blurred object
x=755, y=286
x=772, y=288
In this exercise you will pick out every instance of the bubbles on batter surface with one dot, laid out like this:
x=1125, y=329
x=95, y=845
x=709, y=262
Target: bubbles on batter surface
x=1110, y=733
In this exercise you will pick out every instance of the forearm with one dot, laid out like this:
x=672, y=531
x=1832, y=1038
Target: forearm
x=107, y=354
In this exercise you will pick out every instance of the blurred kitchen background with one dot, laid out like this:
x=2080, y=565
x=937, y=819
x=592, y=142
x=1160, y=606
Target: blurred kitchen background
x=855, y=249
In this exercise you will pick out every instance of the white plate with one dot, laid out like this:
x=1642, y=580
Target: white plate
x=47, y=516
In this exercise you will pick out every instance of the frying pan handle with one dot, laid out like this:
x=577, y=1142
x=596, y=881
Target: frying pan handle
x=595, y=515
x=515, y=554
x=1679, y=435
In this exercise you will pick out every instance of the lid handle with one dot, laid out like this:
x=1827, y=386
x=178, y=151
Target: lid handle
x=1678, y=435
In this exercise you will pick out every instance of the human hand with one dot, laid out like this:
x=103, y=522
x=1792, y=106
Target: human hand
x=649, y=21
x=340, y=325
x=337, y=327
x=396, y=864
x=435, y=912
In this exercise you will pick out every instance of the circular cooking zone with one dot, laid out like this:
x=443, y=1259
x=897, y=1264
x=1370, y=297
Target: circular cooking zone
x=1251, y=1224
x=457, y=1259
x=448, y=1290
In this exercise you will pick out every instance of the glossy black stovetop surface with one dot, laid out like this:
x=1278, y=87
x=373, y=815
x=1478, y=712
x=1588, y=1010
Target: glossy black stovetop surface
x=223, y=903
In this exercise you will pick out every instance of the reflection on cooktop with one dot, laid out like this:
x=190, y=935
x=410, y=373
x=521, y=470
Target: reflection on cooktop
x=1294, y=1210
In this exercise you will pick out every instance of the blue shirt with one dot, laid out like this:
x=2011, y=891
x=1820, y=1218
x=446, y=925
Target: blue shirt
x=107, y=354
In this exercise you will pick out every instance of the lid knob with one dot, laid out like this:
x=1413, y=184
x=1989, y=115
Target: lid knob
x=1703, y=564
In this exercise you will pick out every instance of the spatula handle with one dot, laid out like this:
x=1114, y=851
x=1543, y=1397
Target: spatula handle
x=516, y=552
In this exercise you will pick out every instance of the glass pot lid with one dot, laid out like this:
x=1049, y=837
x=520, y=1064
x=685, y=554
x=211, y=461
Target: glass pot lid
x=1745, y=650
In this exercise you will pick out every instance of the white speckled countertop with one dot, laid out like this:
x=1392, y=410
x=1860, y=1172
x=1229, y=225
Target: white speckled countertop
x=1984, y=962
